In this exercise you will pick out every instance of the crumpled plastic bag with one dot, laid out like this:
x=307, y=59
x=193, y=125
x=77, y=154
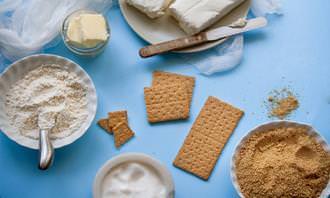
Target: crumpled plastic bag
x=265, y=7
x=224, y=56
x=229, y=54
x=27, y=26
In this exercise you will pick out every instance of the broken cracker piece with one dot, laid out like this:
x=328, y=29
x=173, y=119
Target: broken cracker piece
x=122, y=134
x=103, y=123
x=165, y=103
x=115, y=118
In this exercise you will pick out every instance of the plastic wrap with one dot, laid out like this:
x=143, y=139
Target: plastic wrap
x=229, y=54
x=220, y=58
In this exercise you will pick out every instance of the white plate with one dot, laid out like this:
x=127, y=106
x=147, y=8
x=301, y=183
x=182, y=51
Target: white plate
x=17, y=71
x=133, y=157
x=271, y=125
x=166, y=28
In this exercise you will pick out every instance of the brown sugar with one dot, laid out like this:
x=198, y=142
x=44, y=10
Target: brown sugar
x=282, y=103
x=285, y=106
x=282, y=162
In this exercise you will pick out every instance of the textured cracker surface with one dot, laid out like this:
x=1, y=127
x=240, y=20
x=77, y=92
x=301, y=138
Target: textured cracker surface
x=122, y=134
x=209, y=134
x=117, y=117
x=169, y=102
x=103, y=123
x=198, y=155
x=166, y=78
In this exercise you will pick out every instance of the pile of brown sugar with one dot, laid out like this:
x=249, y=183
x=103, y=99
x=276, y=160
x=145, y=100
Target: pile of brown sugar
x=282, y=103
x=282, y=162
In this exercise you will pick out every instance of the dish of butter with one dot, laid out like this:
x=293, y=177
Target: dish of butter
x=87, y=30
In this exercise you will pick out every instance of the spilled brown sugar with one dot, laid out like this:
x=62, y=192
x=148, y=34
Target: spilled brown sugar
x=282, y=162
x=282, y=103
x=285, y=106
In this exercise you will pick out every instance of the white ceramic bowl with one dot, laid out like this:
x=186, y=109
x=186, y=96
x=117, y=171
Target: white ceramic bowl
x=132, y=157
x=17, y=71
x=272, y=125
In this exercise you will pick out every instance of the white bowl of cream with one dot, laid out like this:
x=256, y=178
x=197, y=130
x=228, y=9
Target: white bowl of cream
x=133, y=175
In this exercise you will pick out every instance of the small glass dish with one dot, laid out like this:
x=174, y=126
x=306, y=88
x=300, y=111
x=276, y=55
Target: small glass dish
x=84, y=51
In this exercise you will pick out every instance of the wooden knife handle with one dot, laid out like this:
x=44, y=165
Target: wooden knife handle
x=167, y=46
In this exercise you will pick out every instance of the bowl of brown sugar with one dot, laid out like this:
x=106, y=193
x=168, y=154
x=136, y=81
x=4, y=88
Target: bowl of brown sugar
x=282, y=159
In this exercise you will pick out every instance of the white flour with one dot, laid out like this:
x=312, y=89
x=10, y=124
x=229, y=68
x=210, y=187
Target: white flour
x=52, y=90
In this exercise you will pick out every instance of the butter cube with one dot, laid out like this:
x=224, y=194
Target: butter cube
x=93, y=29
x=87, y=30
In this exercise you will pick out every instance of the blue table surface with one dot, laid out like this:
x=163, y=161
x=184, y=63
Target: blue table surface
x=292, y=51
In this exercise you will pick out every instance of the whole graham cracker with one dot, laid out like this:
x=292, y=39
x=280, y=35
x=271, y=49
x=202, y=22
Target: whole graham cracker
x=115, y=118
x=104, y=124
x=122, y=133
x=167, y=78
x=166, y=102
x=207, y=137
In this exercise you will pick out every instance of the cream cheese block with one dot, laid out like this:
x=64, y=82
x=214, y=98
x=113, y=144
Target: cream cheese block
x=196, y=15
x=152, y=8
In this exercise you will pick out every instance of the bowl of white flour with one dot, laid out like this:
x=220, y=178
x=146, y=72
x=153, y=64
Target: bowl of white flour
x=46, y=83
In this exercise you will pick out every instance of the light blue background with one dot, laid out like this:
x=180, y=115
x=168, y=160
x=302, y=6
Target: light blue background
x=294, y=51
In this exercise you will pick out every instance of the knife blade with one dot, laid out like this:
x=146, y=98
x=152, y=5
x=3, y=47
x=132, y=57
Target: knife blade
x=211, y=35
x=226, y=31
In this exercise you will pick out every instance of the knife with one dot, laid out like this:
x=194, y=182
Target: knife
x=211, y=35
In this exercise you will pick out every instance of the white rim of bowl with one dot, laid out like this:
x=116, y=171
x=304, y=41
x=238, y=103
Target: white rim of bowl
x=92, y=101
x=272, y=124
x=137, y=157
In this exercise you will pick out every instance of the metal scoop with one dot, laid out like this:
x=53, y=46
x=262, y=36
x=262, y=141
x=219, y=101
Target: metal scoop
x=46, y=121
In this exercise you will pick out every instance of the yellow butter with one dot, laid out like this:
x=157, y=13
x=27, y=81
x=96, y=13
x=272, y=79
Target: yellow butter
x=87, y=30
x=73, y=33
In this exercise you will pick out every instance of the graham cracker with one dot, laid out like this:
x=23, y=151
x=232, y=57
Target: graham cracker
x=169, y=102
x=207, y=137
x=122, y=133
x=198, y=155
x=115, y=118
x=103, y=123
x=167, y=78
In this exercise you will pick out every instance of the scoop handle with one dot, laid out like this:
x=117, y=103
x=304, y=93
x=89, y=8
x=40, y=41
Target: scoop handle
x=46, y=150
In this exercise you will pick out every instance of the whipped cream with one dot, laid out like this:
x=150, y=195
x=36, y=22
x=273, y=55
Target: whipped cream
x=134, y=180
